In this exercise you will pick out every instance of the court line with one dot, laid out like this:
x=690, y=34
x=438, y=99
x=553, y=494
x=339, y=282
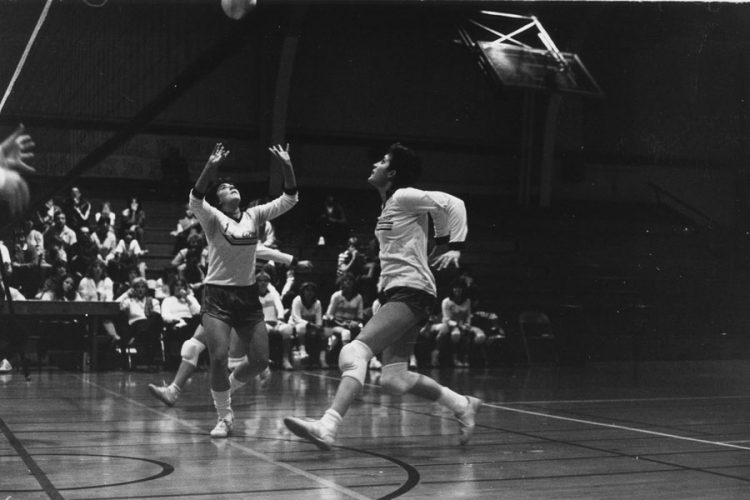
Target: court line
x=602, y=424
x=618, y=427
x=34, y=468
x=246, y=449
x=624, y=400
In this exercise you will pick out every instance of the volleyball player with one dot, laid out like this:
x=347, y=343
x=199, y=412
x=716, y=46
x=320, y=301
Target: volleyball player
x=237, y=361
x=231, y=297
x=408, y=292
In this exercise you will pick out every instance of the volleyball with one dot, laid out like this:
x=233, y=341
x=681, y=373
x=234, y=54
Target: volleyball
x=237, y=9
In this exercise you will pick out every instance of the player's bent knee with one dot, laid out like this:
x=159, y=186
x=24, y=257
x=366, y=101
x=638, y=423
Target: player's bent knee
x=353, y=360
x=191, y=351
x=397, y=379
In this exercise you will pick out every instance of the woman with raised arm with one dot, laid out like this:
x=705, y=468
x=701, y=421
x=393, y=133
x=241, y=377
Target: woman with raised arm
x=407, y=293
x=230, y=297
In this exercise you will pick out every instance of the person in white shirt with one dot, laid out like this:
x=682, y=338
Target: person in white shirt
x=144, y=320
x=408, y=292
x=273, y=313
x=97, y=286
x=230, y=298
x=180, y=312
x=344, y=316
x=237, y=359
x=306, y=318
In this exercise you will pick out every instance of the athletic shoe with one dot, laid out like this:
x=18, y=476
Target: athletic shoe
x=164, y=394
x=287, y=365
x=311, y=430
x=264, y=377
x=5, y=366
x=466, y=419
x=224, y=427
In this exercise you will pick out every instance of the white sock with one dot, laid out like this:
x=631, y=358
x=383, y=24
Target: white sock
x=456, y=402
x=235, y=383
x=222, y=402
x=331, y=420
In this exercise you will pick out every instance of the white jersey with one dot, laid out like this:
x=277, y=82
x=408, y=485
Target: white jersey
x=402, y=234
x=232, y=243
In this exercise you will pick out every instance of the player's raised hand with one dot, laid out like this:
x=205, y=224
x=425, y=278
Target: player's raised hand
x=281, y=153
x=16, y=150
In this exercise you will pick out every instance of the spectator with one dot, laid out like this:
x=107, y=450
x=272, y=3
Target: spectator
x=77, y=209
x=457, y=326
x=351, y=261
x=97, y=286
x=133, y=219
x=332, y=223
x=186, y=227
x=25, y=261
x=104, y=238
x=344, y=316
x=196, y=243
x=83, y=252
x=307, y=320
x=46, y=214
x=63, y=289
x=56, y=254
x=192, y=272
x=105, y=212
x=144, y=320
x=60, y=229
x=180, y=313
x=34, y=238
x=273, y=312
x=125, y=255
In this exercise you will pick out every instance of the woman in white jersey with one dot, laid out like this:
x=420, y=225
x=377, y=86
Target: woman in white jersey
x=408, y=292
x=230, y=297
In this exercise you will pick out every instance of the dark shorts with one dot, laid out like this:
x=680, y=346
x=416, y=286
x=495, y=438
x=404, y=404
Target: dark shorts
x=419, y=301
x=234, y=305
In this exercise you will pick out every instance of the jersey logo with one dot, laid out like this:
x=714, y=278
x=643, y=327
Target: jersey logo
x=243, y=239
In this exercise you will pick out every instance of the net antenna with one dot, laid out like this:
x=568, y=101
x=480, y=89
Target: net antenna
x=517, y=52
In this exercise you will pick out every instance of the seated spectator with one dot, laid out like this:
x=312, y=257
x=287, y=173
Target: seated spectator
x=25, y=264
x=332, y=223
x=63, y=289
x=163, y=284
x=133, y=219
x=97, y=286
x=196, y=243
x=192, y=272
x=307, y=320
x=60, y=230
x=77, y=209
x=456, y=325
x=34, y=237
x=180, y=313
x=106, y=213
x=351, y=261
x=125, y=255
x=104, y=238
x=273, y=312
x=83, y=252
x=344, y=316
x=46, y=214
x=186, y=227
x=144, y=321
x=56, y=254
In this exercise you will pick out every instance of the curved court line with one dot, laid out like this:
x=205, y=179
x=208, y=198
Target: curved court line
x=324, y=482
x=615, y=426
x=166, y=469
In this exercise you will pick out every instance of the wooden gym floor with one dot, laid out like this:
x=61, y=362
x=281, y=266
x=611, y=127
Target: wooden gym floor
x=658, y=430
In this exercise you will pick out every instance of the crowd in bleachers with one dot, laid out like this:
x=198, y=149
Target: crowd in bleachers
x=72, y=251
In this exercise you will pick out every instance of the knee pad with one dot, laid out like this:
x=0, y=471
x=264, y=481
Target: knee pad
x=233, y=363
x=479, y=335
x=397, y=379
x=346, y=335
x=353, y=360
x=191, y=351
